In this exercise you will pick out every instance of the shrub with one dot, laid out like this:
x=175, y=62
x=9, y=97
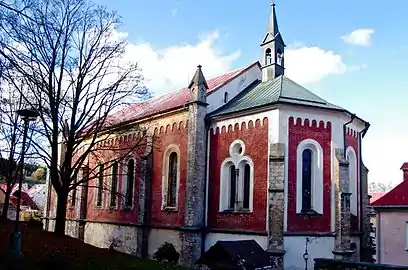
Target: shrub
x=167, y=253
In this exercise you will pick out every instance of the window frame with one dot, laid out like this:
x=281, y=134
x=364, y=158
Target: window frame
x=109, y=202
x=99, y=185
x=353, y=180
x=165, y=178
x=125, y=183
x=316, y=177
x=238, y=159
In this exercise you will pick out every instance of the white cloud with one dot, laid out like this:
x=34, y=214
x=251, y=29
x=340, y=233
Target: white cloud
x=174, y=12
x=359, y=37
x=171, y=68
x=310, y=64
x=168, y=69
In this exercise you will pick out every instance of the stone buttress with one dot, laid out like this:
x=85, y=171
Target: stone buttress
x=191, y=234
x=276, y=204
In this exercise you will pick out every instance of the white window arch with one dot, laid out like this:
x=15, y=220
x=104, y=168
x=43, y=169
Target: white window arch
x=171, y=177
x=128, y=182
x=352, y=159
x=236, y=180
x=309, y=177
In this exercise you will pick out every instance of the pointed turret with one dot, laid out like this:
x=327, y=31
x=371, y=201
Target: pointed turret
x=198, y=87
x=273, y=22
x=273, y=49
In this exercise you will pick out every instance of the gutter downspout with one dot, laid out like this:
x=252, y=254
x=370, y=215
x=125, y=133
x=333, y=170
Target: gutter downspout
x=360, y=156
x=203, y=233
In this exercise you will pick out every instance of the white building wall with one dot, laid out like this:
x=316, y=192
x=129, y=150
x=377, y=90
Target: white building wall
x=318, y=247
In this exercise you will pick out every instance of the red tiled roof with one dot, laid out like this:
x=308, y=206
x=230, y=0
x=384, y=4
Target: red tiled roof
x=375, y=196
x=398, y=196
x=169, y=101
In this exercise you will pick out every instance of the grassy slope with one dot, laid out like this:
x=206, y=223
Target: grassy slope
x=40, y=247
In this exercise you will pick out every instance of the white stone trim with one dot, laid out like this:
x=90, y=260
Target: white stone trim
x=124, y=182
x=317, y=175
x=239, y=160
x=352, y=159
x=170, y=149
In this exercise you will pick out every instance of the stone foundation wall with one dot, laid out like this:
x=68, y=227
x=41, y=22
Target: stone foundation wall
x=103, y=235
x=157, y=237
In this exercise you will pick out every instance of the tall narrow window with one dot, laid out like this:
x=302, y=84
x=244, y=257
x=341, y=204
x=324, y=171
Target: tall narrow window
x=172, y=180
x=268, y=57
x=247, y=184
x=74, y=191
x=114, y=184
x=307, y=179
x=130, y=182
x=100, y=186
x=233, y=187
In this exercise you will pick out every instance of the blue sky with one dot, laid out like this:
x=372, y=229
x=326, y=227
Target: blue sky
x=367, y=76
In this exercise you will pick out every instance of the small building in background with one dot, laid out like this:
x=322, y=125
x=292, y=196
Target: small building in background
x=392, y=223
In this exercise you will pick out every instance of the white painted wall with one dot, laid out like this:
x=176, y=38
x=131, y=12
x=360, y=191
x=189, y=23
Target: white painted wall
x=317, y=248
x=216, y=98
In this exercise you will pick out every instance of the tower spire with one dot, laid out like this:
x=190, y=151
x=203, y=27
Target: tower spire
x=272, y=49
x=273, y=21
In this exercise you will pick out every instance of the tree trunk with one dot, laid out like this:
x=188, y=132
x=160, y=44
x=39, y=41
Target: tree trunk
x=6, y=204
x=60, y=218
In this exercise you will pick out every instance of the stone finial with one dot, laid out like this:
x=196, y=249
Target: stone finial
x=198, y=79
x=404, y=168
x=198, y=87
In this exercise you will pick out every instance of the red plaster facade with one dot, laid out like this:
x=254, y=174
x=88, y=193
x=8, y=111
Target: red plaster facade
x=352, y=139
x=320, y=132
x=255, y=137
x=164, y=137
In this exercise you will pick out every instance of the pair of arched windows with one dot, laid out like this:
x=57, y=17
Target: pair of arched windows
x=269, y=58
x=236, y=180
x=170, y=178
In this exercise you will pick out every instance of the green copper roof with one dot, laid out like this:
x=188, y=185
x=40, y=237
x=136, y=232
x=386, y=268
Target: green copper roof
x=280, y=90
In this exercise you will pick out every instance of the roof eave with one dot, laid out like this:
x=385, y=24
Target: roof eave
x=242, y=111
x=389, y=207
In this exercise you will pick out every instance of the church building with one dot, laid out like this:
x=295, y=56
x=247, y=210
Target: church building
x=248, y=155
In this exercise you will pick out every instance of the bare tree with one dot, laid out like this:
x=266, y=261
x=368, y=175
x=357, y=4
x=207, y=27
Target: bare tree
x=72, y=60
x=10, y=140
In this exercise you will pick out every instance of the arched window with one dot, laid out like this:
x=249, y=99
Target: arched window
x=268, y=57
x=236, y=182
x=247, y=185
x=74, y=191
x=352, y=159
x=171, y=178
x=100, y=186
x=130, y=182
x=309, y=177
x=114, y=185
x=280, y=57
x=232, y=186
x=225, y=97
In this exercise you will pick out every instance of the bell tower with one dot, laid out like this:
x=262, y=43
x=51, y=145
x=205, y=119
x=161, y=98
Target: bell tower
x=273, y=48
